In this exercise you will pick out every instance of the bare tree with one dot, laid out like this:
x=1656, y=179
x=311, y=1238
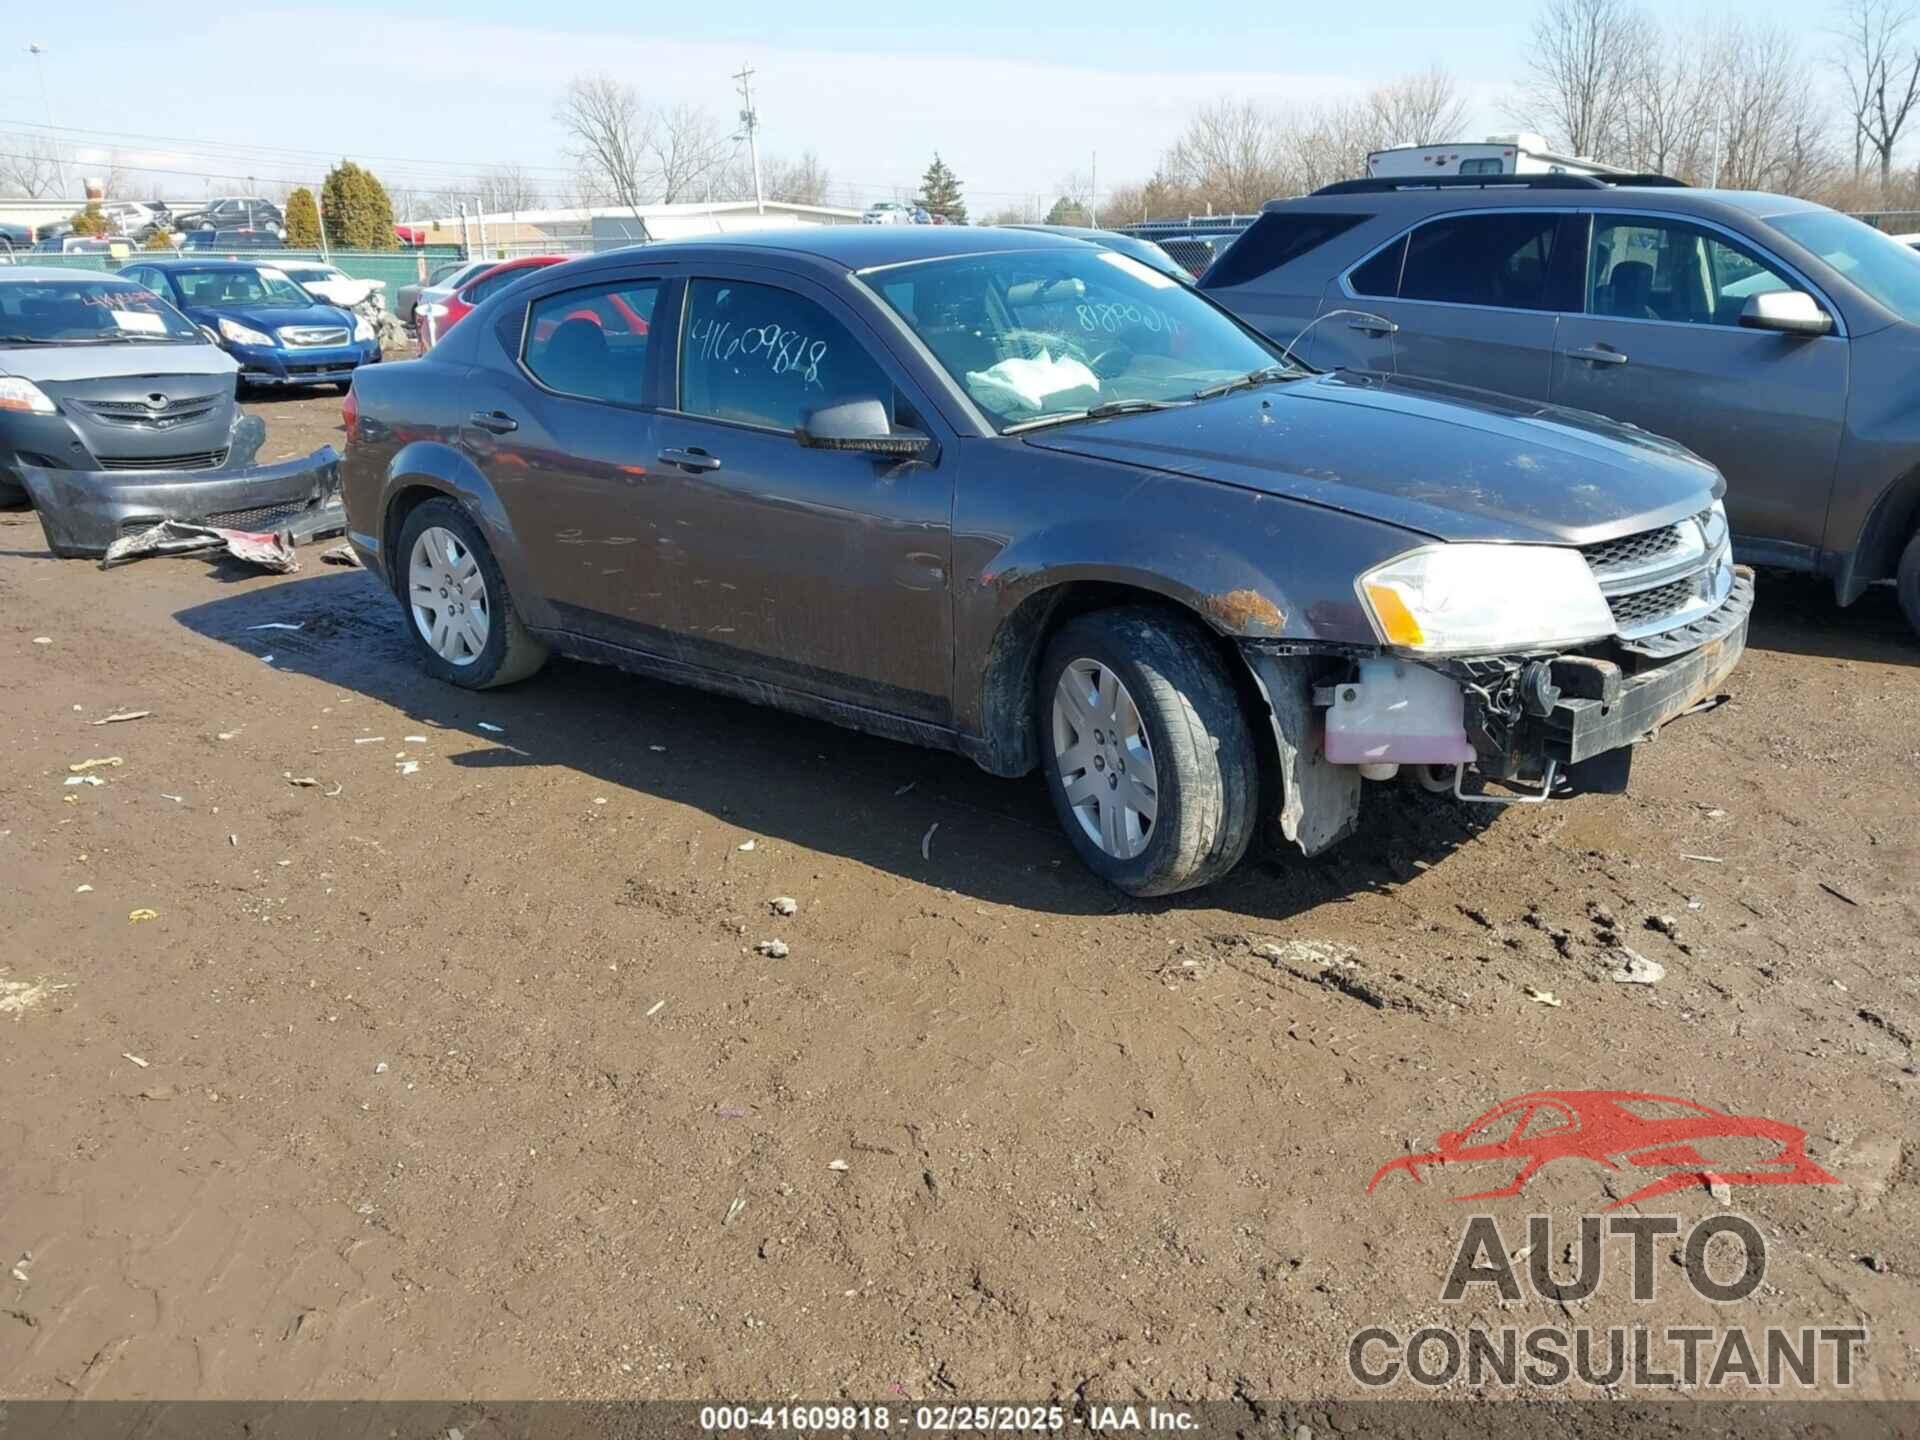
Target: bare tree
x=797, y=182
x=1673, y=111
x=29, y=167
x=1881, y=70
x=1231, y=153
x=608, y=130
x=507, y=189
x=1425, y=108
x=1585, y=59
x=1773, y=132
x=686, y=154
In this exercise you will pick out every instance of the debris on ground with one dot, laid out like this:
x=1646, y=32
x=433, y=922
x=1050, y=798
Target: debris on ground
x=19, y=996
x=340, y=555
x=656, y=1008
x=134, y=917
x=749, y=845
x=1704, y=859
x=1664, y=925
x=926, y=841
x=43, y=640
x=1543, y=997
x=304, y=782
x=773, y=949
x=733, y=1211
x=157, y=1092
x=176, y=537
x=1838, y=894
x=1636, y=969
x=412, y=767
x=116, y=718
x=784, y=904
x=369, y=739
x=840, y=1165
x=1721, y=1191
x=85, y=780
x=83, y=889
x=105, y=761
x=135, y=1059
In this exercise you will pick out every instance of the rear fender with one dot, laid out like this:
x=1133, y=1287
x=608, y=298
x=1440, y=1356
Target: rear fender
x=424, y=468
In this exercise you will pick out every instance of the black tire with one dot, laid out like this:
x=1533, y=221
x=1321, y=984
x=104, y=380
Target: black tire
x=1207, y=771
x=510, y=654
x=1908, y=578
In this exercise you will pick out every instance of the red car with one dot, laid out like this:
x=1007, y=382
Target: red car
x=437, y=317
x=1693, y=1144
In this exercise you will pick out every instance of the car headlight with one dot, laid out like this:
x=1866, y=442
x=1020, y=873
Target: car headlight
x=23, y=397
x=1484, y=599
x=238, y=334
x=363, y=329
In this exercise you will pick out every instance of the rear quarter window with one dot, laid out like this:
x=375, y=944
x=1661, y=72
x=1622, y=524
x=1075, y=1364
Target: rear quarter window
x=1277, y=238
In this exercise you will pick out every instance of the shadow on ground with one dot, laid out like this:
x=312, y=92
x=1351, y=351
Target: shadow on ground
x=1796, y=614
x=803, y=781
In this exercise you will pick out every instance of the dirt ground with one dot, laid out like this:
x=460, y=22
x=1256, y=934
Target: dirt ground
x=469, y=1081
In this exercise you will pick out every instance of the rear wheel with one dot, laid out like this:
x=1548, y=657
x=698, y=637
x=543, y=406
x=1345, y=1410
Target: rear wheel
x=1147, y=751
x=1909, y=581
x=458, y=610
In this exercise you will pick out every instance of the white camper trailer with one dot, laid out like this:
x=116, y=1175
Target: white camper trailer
x=1496, y=155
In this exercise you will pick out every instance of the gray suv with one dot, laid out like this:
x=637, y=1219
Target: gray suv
x=1774, y=337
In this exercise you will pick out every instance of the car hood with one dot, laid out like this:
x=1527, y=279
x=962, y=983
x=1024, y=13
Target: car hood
x=1451, y=462
x=272, y=317
x=107, y=362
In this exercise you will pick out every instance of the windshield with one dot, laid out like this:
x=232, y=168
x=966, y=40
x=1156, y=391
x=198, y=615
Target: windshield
x=1878, y=264
x=231, y=289
x=97, y=311
x=1033, y=334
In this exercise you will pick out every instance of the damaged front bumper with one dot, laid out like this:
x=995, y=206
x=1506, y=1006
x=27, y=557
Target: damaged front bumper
x=82, y=512
x=1532, y=719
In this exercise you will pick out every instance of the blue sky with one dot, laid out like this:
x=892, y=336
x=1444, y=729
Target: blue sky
x=1015, y=97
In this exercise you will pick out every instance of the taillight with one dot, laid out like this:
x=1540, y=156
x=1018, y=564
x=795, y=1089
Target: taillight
x=350, y=413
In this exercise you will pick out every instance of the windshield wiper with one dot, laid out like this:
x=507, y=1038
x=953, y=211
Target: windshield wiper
x=48, y=340
x=1265, y=375
x=1101, y=411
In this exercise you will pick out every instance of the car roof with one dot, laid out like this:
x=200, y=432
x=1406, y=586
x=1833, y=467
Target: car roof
x=57, y=272
x=1412, y=198
x=188, y=262
x=855, y=247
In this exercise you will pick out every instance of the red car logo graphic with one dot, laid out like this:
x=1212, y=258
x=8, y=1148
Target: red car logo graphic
x=1617, y=1129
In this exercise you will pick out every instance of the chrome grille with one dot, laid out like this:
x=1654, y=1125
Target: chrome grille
x=1642, y=607
x=309, y=335
x=1630, y=552
x=162, y=416
x=1663, y=580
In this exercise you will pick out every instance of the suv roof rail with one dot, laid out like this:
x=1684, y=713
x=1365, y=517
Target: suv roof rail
x=1381, y=184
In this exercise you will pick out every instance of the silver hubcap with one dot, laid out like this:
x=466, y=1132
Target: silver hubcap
x=1104, y=758
x=449, y=596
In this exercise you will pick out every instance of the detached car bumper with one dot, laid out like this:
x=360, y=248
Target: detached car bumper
x=82, y=512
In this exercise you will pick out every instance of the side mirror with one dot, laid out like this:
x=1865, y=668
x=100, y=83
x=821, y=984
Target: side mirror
x=212, y=334
x=859, y=425
x=1790, y=312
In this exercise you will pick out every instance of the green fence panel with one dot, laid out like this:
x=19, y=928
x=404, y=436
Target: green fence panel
x=395, y=267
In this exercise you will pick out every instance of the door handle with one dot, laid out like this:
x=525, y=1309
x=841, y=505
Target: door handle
x=694, y=459
x=494, y=422
x=1374, y=327
x=1594, y=355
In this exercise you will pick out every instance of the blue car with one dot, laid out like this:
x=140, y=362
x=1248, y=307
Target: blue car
x=279, y=333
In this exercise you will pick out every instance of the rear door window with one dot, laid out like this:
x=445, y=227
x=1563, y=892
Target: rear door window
x=762, y=355
x=1502, y=259
x=1277, y=238
x=1380, y=276
x=592, y=342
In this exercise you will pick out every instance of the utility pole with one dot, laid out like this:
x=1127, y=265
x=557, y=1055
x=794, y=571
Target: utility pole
x=750, y=123
x=36, y=49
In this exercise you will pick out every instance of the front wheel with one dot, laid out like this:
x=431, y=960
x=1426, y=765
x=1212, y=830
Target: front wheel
x=458, y=610
x=1147, y=751
x=1909, y=582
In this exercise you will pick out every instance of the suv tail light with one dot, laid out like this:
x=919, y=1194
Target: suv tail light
x=350, y=413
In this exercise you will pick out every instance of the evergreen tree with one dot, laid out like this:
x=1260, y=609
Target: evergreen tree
x=356, y=210
x=940, y=193
x=303, y=220
x=1067, y=211
x=91, y=221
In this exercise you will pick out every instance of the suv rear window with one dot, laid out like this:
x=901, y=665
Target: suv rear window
x=1277, y=238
